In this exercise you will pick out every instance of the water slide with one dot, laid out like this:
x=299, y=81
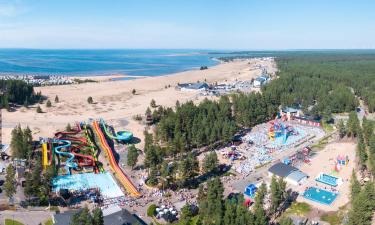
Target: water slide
x=83, y=160
x=120, y=135
x=125, y=181
x=45, y=155
x=69, y=164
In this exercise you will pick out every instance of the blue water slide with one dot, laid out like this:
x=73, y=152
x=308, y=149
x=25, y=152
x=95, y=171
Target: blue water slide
x=69, y=164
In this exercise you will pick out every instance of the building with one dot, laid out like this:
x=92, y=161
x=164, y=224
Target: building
x=261, y=80
x=122, y=217
x=199, y=86
x=290, y=173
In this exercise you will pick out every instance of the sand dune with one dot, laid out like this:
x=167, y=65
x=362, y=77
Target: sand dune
x=114, y=101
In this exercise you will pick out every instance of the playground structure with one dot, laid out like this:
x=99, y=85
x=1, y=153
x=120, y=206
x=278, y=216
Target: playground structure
x=99, y=126
x=341, y=160
x=302, y=155
x=250, y=191
x=279, y=129
x=66, y=145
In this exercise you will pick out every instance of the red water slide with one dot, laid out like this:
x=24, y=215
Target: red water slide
x=125, y=181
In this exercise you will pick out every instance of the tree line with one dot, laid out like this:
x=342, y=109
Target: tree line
x=17, y=92
x=215, y=209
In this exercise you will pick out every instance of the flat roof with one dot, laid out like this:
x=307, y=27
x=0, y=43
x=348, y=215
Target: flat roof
x=282, y=170
x=297, y=176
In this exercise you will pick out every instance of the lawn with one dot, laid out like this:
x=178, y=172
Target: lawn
x=299, y=208
x=332, y=218
x=48, y=222
x=12, y=222
x=328, y=128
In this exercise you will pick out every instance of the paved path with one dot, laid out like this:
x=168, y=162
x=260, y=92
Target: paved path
x=26, y=217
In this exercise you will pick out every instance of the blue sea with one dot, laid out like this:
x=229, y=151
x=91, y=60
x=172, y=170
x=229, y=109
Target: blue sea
x=102, y=62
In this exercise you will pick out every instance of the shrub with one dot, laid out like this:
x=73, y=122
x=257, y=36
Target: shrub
x=49, y=104
x=38, y=109
x=90, y=100
x=151, y=210
x=137, y=117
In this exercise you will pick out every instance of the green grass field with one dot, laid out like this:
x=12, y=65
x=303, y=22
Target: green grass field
x=12, y=222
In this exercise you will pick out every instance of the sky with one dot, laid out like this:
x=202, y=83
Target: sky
x=187, y=24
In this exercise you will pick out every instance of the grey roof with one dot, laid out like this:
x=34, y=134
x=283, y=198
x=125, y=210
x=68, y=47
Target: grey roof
x=123, y=217
x=64, y=218
x=297, y=176
x=281, y=169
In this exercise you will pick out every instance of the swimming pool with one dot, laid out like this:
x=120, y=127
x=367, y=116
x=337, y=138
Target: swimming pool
x=328, y=179
x=319, y=195
x=104, y=181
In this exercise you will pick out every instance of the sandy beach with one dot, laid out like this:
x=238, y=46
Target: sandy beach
x=114, y=101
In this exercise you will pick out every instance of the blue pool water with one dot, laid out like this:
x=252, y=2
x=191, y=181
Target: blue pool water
x=328, y=179
x=103, y=181
x=319, y=195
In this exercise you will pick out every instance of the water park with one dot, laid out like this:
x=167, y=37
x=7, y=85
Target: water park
x=73, y=156
x=264, y=142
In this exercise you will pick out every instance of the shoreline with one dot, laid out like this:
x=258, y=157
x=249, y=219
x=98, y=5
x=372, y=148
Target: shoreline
x=114, y=101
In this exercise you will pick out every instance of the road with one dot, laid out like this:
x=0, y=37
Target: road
x=26, y=217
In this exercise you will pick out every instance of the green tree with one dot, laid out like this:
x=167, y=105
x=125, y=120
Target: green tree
x=10, y=183
x=286, y=221
x=210, y=162
x=48, y=103
x=97, y=216
x=90, y=100
x=68, y=127
x=353, y=124
x=361, y=150
x=153, y=103
x=39, y=110
x=355, y=186
x=152, y=176
x=260, y=213
x=211, y=208
x=368, y=129
x=132, y=156
x=341, y=128
x=83, y=217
